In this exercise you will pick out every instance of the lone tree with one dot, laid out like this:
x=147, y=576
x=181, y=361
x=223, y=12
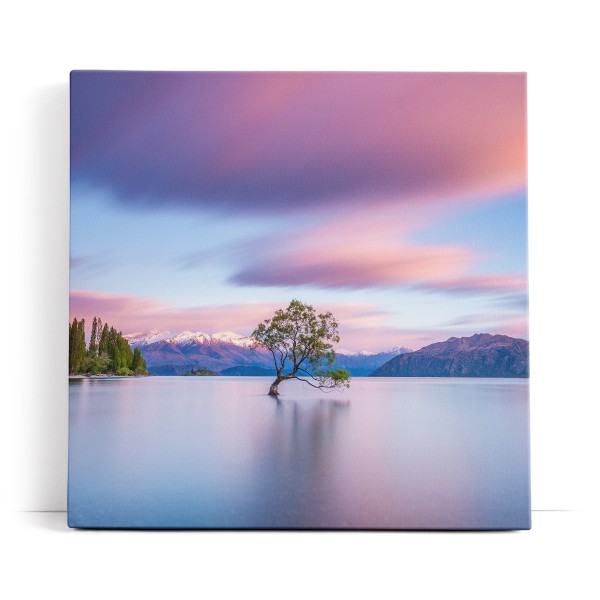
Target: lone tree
x=301, y=343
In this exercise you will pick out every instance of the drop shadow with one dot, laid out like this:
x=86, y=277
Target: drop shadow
x=47, y=520
x=46, y=414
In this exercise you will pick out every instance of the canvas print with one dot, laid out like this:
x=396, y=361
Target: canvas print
x=298, y=300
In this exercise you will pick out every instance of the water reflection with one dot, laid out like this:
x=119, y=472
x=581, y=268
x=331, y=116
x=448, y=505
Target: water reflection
x=218, y=452
x=291, y=484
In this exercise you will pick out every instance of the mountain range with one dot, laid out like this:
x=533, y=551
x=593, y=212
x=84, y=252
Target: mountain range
x=481, y=355
x=229, y=353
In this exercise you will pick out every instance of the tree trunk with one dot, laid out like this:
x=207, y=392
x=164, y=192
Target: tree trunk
x=273, y=390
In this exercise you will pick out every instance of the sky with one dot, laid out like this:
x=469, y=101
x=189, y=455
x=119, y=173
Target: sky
x=206, y=201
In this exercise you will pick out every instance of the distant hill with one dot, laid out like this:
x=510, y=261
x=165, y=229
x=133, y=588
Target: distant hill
x=361, y=364
x=201, y=373
x=481, y=355
x=249, y=372
x=229, y=353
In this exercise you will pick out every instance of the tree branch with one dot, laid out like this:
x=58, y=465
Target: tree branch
x=308, y=374
x=322, y=387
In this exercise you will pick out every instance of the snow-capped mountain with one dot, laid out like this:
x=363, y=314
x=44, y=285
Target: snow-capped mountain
x=169, y=354
x=228, y=337
x=230, y=353
x=186, y=338
x=143, y=338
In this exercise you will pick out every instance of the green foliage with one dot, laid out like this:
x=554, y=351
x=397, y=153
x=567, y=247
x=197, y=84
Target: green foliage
x=95, y=364
x=201, y=373
x=138, y=361
x=98, y=332
x=108, y=351
x=118, y=350
x=103, y=341
x=76, y=345
x=138, y=364
x=93, y=347
x=301, y=343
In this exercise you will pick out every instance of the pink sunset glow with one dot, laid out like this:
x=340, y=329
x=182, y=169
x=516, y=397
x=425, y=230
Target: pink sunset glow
x=376, y=339
x=362, y=326
x=130, y=314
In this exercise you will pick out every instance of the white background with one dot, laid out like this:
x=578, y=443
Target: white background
x=554, y=42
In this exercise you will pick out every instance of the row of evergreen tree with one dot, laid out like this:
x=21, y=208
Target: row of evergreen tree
x=107, y=352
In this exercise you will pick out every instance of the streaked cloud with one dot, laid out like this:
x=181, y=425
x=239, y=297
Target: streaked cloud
x=479, y=318
x=474, y=284
x=91, y=266
x=514, y=324
x=355, y=251
x=285, y=142
x=517, y=301
x=354, y=266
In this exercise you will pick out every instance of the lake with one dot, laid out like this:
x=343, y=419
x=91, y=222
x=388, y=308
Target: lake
x=217, y=452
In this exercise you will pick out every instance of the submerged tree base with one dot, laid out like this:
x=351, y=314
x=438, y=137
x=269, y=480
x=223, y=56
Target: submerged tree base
x=274, y=389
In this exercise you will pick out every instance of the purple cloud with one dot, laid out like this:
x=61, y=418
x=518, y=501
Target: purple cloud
x=277, y=142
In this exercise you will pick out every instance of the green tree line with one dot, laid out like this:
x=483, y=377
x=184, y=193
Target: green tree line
x=107, y=352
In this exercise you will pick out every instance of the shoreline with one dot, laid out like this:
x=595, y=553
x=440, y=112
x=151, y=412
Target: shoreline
x=104, y=376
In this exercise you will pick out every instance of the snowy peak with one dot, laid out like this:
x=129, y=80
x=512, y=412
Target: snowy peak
x=228, y=337
x=186, y=338
x=144, y=338
x=398, y=350
x=189, y=337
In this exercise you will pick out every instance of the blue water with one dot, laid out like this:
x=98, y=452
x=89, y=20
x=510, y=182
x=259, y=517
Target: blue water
x=214, y=452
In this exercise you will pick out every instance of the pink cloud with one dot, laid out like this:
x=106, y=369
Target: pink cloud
x=130, y=314
x=355, y=266
x=356, y=251
x=370, y=248
x=133, y=313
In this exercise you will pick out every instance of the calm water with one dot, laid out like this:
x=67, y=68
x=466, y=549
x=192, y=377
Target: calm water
x=181, y=452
